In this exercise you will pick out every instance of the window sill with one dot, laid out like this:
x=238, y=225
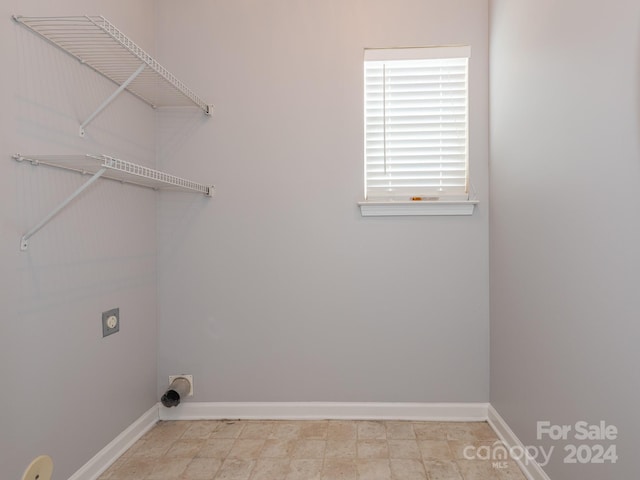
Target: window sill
x=419, y=208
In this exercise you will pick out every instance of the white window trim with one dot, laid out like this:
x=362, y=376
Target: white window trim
x=417, y=208
x=390, y=207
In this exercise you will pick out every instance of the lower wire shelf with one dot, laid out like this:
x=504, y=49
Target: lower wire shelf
x=104, y=166
x=117, y=169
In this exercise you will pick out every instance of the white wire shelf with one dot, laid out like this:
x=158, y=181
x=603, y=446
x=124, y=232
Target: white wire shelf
x=97, y=43
x=104, y=166
x=117, y=169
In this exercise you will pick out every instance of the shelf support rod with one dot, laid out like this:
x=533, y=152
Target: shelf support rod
x=111, y=98
x=24, y=241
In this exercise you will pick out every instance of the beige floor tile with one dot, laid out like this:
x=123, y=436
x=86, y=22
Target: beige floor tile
x=442, y=470
x=477, y=470
x=276, y=448
x=373, y=449
x=200, y=430
x=469, y=431
x=459, y=431
x=164, y=439
x=339, y=469
x=133, y=468
x=459, y=447
x=404, y=449
x=373, y=469
x=309, y=449
x=165, y=429
x=341, y=449
x=185, y=449
x=406, y=469
x=257, y=430
x=400, y=431
x=285, y=431
x=371, y=430
x=235, y=469
x=483, y=431
x=246, y=448
x=314, y=430
x=304, y=470
x=511, y=471
x=168, y=468
x=270, y=469
x=430, y=431
x=149, y=449
x=201, y=469
x=216, y=448
x=435, y=450
x=227, y=430
x=339, y=430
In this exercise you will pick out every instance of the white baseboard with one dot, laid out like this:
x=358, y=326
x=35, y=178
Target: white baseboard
x=531, y=469
x=326, y=410
x=109, y=454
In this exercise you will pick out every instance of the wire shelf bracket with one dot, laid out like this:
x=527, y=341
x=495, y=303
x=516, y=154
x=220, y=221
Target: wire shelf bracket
x=113, y=96
x=104, y=166
x=97, y=43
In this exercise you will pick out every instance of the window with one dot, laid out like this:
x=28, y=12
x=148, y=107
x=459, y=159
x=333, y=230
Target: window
x=416, y=126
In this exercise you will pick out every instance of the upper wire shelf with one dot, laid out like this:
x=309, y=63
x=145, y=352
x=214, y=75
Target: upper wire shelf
x=97, y=43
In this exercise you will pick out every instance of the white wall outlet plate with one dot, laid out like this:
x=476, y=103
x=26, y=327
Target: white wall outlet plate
x=189, y=379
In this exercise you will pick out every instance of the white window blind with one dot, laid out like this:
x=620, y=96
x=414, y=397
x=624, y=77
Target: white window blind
x=416, y=123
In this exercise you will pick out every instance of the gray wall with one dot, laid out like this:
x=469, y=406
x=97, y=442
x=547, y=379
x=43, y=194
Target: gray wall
x=277, y=289
x=565, y=222
x=66, y=391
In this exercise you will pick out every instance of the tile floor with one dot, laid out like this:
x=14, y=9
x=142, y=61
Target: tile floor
x=310, y=450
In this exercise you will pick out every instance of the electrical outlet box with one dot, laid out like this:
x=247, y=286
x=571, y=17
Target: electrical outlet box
x=189, y=378
x=110, y=322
